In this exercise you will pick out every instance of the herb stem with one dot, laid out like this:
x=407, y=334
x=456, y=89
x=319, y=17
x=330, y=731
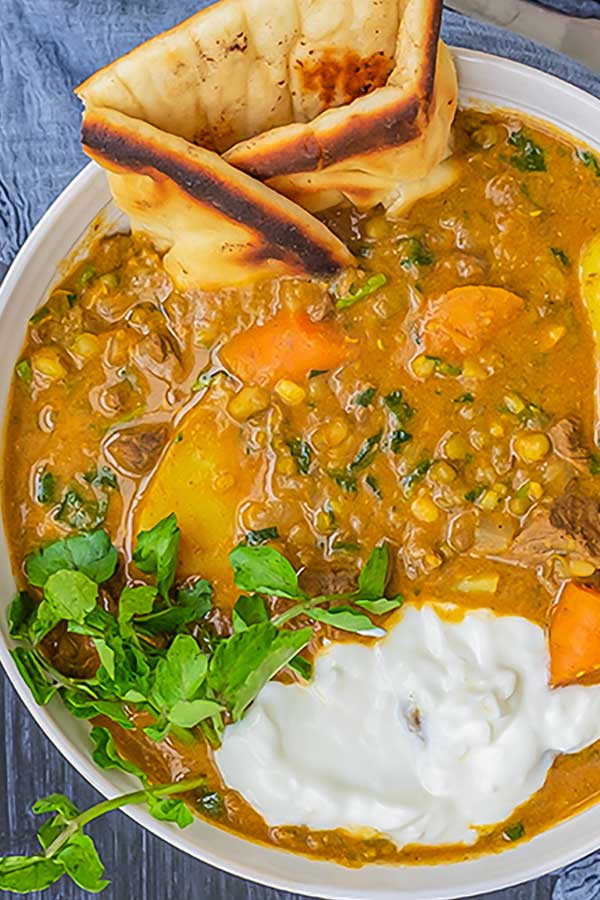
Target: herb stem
x=305, y=606
x=105, y=806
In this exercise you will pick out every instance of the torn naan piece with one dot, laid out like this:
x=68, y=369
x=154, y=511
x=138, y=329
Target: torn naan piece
x=217, y=225
x=322, y=101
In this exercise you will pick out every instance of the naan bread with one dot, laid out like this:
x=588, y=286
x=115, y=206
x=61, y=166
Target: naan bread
x=218, y=225
x=321, y=101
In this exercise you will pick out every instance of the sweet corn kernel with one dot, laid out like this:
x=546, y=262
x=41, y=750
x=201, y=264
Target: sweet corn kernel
x=553, y=335
x=489, y=500
x=518, y=505
x=324, y=523
x=290, y=392
x=285, y=465
x=514, y=404
x=422, y=366
x=474, y=369
x=47, y=362
x=456, y=447
x=496, y=429
x=248, y=402
x=85, y=346
x=442, y=473
x=377, y=228
x=424, y=509
x=500, y=489
x=534, y=490
x=531, y=446
x=330, y=434
x=581, y=568
x=432, y=561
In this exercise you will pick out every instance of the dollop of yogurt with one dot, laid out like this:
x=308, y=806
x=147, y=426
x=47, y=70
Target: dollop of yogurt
x=442, y=726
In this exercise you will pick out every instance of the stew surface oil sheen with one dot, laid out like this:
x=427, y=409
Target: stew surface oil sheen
x=327, y=421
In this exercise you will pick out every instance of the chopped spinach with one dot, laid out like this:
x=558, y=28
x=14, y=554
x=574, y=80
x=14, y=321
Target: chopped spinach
x=529, y=156
x=24, y=371
x=315, y=372
x=588, y=159
x=464, y=398
x=102, y=477
x=416, y=253
x=561, y=256
x=302, y=453
x=367, y=452
x=374, y=485
x=366, y=397
x=473, y=495
x=418, y=473
x=444, y=368
x=258, y=536
x=45, y=487
x=345, y=546
x=398, y=438
x=397, y=405
x=514, y=832
x=344, y=479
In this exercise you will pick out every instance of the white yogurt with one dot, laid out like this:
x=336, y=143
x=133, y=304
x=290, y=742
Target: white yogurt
x=439, y=727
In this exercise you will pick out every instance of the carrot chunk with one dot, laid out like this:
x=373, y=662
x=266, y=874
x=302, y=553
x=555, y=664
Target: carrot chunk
x=465, y=318
x=574, y=634
x=288, y=346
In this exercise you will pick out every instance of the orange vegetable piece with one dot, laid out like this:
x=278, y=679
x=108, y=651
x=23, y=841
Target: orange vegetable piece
x=574, y=634
x=288, y=346
x=465, y=318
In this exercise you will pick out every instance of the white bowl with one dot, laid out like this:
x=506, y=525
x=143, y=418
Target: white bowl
x=484, y=80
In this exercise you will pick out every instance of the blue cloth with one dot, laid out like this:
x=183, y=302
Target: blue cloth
x=585, y=9
x=46, y=48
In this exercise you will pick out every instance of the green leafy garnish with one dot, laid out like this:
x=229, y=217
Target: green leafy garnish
x=588, y=159
x=91, y=553
x=372, y=284
x=366, y=453
x=474, y=494
x=87, y=274
x=416, y=254
x=397, y=405
x=102, y=477
x=561, y=256
x=302, y=453
x=418, y=473
x=262, y=570
x=249, y=610
x=315, y=372
x=514, y=832
x=261, y=536
x=398, y=438
x=45, y=487
x=372, y=482
x=344, y=479
x=67, y=850
x=40, y=314
x=156, y=553
x=366, y=397
x=24, y=371
x=444, y=368
x=464, y=398
x=529, y=156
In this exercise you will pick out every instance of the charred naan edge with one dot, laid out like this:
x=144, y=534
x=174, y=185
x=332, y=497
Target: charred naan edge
x=320, y=100
x=218, y=225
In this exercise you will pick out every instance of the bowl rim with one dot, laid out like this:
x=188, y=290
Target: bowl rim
x=574, y=837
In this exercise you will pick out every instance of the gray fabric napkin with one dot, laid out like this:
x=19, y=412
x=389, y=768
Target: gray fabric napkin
x=46, y=48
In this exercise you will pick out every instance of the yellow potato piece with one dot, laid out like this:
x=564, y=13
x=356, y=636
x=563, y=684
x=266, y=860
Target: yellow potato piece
x=589, y=278
x=203, y=478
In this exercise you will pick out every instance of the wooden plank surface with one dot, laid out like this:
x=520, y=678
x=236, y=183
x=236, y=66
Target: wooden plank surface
x=140, y=866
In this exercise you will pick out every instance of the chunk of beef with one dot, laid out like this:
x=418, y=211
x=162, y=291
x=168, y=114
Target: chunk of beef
x=338, y=581
x=570, y=526
x=568, y=443
x=135, y=451
x=579, y=516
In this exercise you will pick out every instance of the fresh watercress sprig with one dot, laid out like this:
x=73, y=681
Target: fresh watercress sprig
x=67, y=850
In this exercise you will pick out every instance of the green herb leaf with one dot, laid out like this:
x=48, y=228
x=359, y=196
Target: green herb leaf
x=25, y=874
x=70, y=594
x=373, y=577
x=20, y=614
x=249, y=610
x=82, y=705
x=561, y=256
x=212, y=804
x=156, y=552
x=417, y=474
x=315, y=372
x=398, y=438
x=346, y=546
x=263, y=570
x=514, y=832
x=24, y=371
x=45, y=487
x=473, y=495
x=366, y=397
x=102, y=477
x=302, y=666
x=180, y=674
x=346, y=618
x=588, y=159
x=192, y=604
x=416, y=254
x=136, y=601
x=367, y=452
x=344, y=479
x=261, y=536
x=188, y=713
x=33, y=674
x=169, y=809
x=372, y=284
x=397, y=405
x=302, y=453
x=382, y=606
x=445, y=368
x=92, y=554
x=106, y=755
x=464, y=398
x=372, y=482
x=82, y=863
x=529, y=156
x=59, y=803
x=243, y=663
